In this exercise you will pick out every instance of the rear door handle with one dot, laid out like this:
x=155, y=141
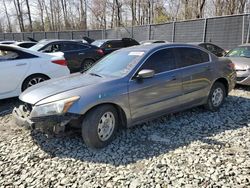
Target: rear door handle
x=21, y=64
x=173, y=78
x=82, y=53
x=208, y=68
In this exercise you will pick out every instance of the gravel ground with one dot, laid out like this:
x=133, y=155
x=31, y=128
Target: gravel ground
x=194, y=148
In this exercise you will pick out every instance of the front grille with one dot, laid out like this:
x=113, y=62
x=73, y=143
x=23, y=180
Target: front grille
x=239, y=79
x=240, y=70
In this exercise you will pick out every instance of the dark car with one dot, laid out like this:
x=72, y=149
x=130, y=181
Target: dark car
x=110, y=45
x=80, y=56
x=127, y=87
x=216, y=50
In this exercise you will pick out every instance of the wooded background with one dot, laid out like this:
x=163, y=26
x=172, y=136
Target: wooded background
x=62, y=15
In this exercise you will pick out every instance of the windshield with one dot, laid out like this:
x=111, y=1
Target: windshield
x=37, y=47
x=117, y=64
x=98, y=43
x=242, y=51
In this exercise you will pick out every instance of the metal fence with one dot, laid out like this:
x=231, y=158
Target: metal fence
x=226, y=31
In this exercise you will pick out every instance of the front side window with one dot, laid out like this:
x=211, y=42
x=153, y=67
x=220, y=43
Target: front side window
x=114, y=44
x=51, y=48
x=191, y=56
x=161, y=61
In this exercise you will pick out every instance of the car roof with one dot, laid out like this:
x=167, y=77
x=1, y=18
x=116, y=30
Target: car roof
x=46, y=41
x=246, y=44
x=155, y=46
x=25, y=42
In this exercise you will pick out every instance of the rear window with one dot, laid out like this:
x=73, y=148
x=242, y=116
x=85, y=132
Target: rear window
x=191, y=56
x=98, y=43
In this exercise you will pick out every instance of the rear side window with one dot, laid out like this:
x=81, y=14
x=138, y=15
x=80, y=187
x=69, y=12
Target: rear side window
x=26, y=45
x=161, y=61
x=8, y=55
x=191, y=56
x=14, y=55
x=114, y=44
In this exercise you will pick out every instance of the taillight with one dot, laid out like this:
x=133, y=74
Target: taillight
x=100, y=52
x=60, y=62
x=231, y=66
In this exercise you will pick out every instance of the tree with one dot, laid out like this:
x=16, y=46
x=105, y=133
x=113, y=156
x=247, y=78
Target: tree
x=29, y=15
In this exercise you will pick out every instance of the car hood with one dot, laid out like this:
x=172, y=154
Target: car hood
x=52, y=87
x=241, y=62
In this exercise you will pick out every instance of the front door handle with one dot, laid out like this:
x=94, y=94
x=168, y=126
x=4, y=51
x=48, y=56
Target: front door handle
x=21, y=64
x=82, y=53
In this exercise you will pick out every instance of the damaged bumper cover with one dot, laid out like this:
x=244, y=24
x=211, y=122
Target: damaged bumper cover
x=21, y=118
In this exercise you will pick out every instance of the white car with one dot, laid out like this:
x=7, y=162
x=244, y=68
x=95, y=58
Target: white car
x=21, y=68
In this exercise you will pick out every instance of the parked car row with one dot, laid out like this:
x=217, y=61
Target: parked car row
x=128, y=86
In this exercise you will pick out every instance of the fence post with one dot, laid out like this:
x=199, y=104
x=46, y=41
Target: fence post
x=204, y=30
x=22, y=38
x=173, y=32
x=132, y=32
x=243, y=30
x=72, y=35
x=45, y=35
x=149, y=32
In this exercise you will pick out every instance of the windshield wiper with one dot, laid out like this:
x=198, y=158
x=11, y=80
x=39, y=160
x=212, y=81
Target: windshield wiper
x=94, y=74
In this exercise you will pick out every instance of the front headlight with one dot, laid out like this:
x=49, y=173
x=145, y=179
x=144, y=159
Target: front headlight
x=53, y=108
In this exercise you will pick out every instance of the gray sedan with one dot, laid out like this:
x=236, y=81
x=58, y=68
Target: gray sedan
x=127, y=87
x=240, y=56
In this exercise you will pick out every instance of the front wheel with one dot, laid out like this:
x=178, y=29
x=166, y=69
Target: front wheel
x=99, y=126
x=216, y=97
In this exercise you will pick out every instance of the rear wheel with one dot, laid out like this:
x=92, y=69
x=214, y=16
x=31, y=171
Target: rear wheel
x=99, y=126
x=216, y=97
x=88, y=63
x=33, y=80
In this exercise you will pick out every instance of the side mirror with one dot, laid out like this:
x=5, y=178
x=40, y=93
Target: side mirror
x=145, y=73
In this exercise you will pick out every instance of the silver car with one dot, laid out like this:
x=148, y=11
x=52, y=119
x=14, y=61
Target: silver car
x=240, y=56
x=127, y=87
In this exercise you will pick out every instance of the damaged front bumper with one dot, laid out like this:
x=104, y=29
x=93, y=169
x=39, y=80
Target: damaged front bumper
x=21, y=116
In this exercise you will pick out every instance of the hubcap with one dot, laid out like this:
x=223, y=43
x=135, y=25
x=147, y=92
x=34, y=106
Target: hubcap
x=87, y=65
x=106, y=126
x=217, y=97
x=35, y=81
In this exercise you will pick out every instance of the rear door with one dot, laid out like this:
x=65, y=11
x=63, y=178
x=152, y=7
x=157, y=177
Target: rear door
x=75, y=54
x=13, y=67
x=197, y=73
x=152, y=96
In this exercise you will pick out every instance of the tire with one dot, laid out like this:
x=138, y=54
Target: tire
x=88, y=63
x=96, y=134
x=216, y=97
x=33, y=80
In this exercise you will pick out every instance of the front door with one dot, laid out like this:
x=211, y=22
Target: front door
x=152, y=96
